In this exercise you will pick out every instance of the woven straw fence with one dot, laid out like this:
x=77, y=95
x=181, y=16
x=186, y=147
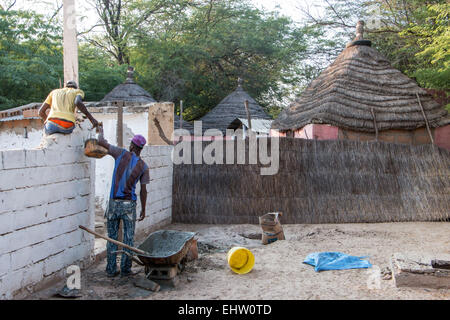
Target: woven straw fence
x=320, y=182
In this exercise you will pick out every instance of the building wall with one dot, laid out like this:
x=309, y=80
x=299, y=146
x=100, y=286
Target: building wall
x=159, y=201
x=416, y=137
x=45, y=194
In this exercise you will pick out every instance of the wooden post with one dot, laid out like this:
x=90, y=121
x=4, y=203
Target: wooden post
x=70, y=42
x=120, y=124
x=375, y=123
x=119, y=133
x=425, y=117
x=181, y=114
x=248, y=115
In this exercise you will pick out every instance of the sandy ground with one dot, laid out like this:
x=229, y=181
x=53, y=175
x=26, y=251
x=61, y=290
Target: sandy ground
x=279, y=273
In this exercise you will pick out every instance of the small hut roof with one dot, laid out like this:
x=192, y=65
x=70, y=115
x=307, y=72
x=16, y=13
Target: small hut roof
x=186, y=125
x=129, y=91
x=361, y=79
x=230, y=108
x=258, y=125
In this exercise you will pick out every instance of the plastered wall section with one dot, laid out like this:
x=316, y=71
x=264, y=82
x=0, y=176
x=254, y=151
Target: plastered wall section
x=45, y=194
x=159, y=198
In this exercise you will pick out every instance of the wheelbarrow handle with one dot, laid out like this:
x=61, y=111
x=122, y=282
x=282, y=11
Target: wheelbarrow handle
x=113, y=241
x=131, y=256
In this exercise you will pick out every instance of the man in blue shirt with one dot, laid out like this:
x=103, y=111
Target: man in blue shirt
x=129, y=168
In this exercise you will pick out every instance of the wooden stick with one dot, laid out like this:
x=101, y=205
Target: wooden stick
x=440, y=264
x=249, y=118
x=181, y=114
x=375, y=123
x=425, y=117
x=113, y=241
x=120, y=124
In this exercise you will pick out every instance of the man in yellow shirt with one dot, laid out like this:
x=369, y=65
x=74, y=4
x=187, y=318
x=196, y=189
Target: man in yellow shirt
x=62, y=104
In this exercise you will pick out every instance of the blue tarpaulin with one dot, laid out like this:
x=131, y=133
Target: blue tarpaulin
x=322, y=261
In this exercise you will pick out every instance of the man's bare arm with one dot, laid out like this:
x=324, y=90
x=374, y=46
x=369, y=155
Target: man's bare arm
x=143, y=196
x=101, y=140
x=42, y=111
x=80, y=105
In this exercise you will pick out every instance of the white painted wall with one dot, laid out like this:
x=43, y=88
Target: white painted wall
x=159, y=199
x=134, y=123
x=10, y=140
x=158, y=158
x=45, y=194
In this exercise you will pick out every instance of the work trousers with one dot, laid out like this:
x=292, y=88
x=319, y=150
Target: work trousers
x=126, y=211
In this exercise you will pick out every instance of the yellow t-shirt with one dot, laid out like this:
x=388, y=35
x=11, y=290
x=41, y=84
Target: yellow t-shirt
x=62, y=103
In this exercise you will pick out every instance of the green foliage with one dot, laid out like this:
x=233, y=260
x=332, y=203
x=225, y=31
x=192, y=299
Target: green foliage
x=199, y=57
x=194, y=50
x=98, y=73
x=30, y=58
x=31, y=62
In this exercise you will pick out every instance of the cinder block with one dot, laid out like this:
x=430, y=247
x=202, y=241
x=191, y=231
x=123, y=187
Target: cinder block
x=10, y=283
x=21, y=258
x=165, y=150
x=9, y=179
x=54, y=263
x=153, y=151
x=32, y=274
x=35, y=158
x=28, y=217
x=67, y=207
x=5, y=263
x=13, y=159
x=25, y=237
x=45, y=249
x=6, y=223
x=417, y=271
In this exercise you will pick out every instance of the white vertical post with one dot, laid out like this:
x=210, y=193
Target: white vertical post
x=181, y=114
x=70, y=42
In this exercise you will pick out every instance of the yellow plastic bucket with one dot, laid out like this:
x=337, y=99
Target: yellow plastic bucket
x=241, y=260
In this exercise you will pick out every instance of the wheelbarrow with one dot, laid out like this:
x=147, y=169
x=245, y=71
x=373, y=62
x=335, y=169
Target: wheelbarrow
x=161, y=248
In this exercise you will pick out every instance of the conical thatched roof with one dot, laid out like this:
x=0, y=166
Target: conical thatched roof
x=360, y=80
x=129, y=91
x=230, y=108
x=186, y=125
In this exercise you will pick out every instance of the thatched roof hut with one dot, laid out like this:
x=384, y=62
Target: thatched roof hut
x=129, y=91
x=186, y=125
x=230, y=108
x=362, y=83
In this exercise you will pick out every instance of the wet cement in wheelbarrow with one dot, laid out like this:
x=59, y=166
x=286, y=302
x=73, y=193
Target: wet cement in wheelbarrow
x=165, y=243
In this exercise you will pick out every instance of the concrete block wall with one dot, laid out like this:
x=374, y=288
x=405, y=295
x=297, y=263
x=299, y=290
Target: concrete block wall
x=45, y=194
x=159, y=199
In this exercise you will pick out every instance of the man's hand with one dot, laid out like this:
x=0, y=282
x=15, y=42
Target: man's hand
x=142, y=217
x=94, y=123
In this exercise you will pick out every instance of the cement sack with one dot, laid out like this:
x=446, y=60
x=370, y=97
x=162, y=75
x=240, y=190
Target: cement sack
x=271, y=226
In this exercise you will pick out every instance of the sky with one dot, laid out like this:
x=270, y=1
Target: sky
x=285, y=7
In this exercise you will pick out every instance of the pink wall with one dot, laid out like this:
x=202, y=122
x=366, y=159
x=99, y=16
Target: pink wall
x=442, y=137
x=318, y=132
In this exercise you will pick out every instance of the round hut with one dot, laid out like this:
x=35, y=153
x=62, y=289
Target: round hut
x=129, y=92
x=231, y=108
x=360, y=96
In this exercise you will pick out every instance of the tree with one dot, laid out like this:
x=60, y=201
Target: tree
x=30, y=58
x=120, y=18
x=198, y=56
x=412, y=34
